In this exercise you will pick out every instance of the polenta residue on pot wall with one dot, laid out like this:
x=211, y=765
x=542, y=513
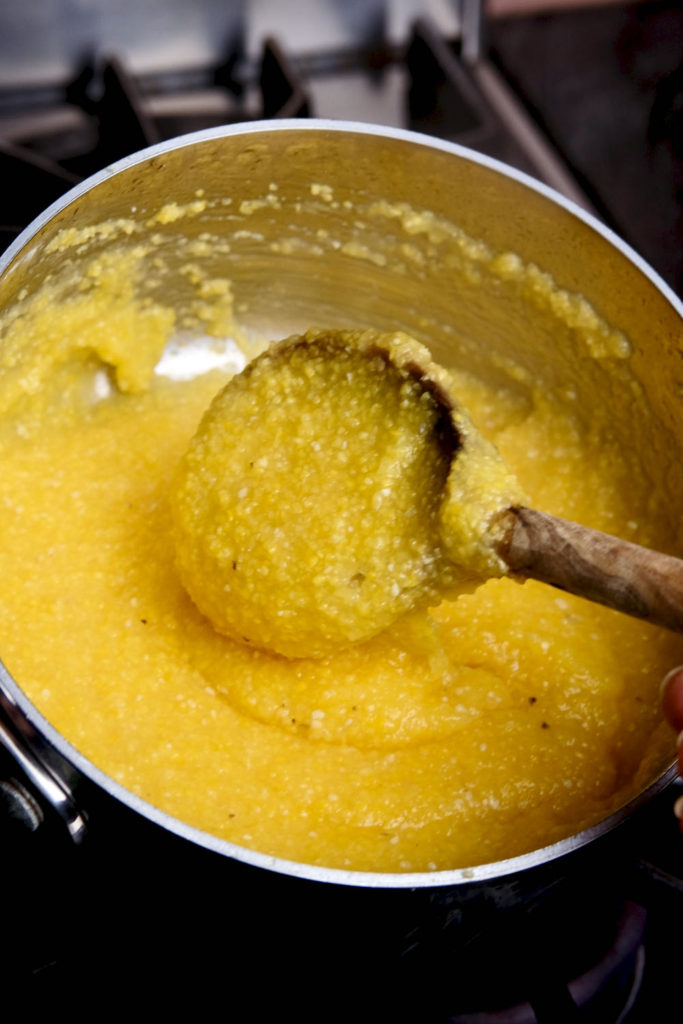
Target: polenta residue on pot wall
x=482, y=729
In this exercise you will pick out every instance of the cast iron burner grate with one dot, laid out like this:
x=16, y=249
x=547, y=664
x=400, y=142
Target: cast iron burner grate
x=106, y=114
x=587, y=101
x=49, y=143
x=603, y=993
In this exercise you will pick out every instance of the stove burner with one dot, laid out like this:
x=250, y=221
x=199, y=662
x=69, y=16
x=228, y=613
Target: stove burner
x=603, y=994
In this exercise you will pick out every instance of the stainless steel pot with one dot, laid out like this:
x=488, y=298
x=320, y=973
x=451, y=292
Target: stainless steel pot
x=306, y=247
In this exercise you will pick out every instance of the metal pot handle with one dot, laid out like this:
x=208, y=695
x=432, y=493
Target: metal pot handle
x=46, y=786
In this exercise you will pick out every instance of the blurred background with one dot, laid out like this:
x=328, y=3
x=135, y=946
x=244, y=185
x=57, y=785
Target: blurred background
x=586, y=95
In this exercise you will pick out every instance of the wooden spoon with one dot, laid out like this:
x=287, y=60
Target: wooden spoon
x=589, y=563
x=287, y=540
x=594, y=565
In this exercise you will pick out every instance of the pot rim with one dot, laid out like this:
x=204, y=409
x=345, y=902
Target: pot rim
x=344, y=127
x=368, y=879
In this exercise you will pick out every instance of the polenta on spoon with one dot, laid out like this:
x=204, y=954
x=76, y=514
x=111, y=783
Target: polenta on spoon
x=335, y=484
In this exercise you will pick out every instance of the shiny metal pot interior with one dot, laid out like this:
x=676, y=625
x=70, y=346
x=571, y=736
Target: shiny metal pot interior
x=313, y=258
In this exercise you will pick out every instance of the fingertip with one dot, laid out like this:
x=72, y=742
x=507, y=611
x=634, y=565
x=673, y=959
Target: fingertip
x=670, y=676
x=672, y=697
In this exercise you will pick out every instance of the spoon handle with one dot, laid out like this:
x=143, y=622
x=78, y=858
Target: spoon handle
x=594, y=565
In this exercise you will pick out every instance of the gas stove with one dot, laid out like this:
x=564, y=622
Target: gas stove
x=587, y=100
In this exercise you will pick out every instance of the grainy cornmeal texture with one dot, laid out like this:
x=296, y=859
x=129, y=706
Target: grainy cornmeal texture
x=310, y=505
x=484, y=728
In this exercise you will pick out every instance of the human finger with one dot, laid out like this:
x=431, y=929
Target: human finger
x=672, y=698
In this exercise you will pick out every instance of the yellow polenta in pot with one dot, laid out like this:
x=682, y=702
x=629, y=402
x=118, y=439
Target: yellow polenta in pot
x=468, y=731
